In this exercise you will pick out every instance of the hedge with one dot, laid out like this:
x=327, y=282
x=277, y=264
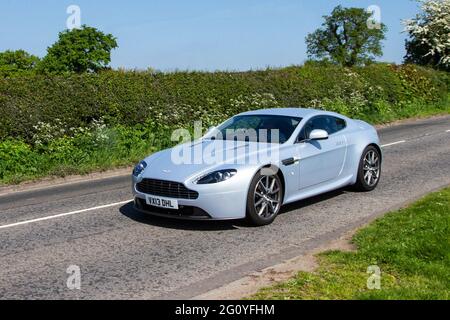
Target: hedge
x=177, y=99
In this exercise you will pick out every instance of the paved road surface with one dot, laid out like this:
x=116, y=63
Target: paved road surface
x=123, y=254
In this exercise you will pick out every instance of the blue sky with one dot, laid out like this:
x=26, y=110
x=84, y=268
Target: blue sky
x=194, y=34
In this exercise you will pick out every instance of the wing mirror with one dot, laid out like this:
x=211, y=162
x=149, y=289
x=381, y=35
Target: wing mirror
x=318, y=134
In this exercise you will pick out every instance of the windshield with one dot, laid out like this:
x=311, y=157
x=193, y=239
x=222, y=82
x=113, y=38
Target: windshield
x=257, y=128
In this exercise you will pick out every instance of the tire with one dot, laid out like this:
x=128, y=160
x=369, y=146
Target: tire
x=369, y=170
x=264, y=204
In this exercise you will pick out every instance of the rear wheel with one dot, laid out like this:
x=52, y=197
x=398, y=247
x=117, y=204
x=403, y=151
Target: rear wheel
x=264, y=199
x=369, y=171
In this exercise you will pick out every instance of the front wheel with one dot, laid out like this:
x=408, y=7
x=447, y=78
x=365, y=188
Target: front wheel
x=369, y=171
x=264, y=199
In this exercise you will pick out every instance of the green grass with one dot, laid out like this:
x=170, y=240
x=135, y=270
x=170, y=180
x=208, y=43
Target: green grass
x=89, y=151
x=410, y=246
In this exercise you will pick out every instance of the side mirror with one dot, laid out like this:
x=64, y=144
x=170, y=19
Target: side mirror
x=318, y=135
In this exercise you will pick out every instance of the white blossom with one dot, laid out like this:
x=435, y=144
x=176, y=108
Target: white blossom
x=432, y=27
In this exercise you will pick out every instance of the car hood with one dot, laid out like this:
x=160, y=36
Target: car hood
x=166, y=165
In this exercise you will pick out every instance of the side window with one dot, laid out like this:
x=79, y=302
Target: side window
x=328, y=123
x=322, y=123
x=314, y=123
x=340, y=124
x=306, y=130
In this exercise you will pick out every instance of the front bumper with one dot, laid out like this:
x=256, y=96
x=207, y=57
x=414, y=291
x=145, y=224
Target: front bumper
x=185, y=212
x=223, y=201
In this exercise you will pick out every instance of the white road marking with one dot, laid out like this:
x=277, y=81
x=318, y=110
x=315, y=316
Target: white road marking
x=393, y=144
x=63, y=214
x=111, y=204
x=447, y=131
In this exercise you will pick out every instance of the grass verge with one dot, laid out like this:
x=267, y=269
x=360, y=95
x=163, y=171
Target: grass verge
x=410, y=246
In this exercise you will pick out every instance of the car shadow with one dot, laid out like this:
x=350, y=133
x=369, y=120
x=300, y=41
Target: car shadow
x=313, y=200
x=199, y=225
x=179, y=224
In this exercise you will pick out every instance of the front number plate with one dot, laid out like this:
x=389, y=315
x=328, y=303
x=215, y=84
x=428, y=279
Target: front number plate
x=162, y=202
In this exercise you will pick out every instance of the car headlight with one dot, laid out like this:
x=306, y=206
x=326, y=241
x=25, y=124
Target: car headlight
x=139, y=168
x=217, y=176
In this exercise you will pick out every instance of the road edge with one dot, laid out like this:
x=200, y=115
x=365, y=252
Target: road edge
x=51, y=182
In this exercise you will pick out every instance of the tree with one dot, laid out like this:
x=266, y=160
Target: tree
x=346, y=38
x=429, y=35
x=79, y=50
x=12, y=62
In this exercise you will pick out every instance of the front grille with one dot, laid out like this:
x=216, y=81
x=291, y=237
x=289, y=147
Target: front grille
x=167, y=189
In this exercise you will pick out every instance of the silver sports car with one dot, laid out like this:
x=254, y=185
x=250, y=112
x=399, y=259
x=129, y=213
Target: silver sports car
x=256, y=162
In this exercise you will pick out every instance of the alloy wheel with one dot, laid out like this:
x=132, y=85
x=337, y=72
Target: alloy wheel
x=267, y=197
x=371, y=168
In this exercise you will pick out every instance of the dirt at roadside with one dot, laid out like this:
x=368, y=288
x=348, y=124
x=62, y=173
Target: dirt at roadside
x=250, y=284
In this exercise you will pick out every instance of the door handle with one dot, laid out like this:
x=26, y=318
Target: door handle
x=290, y=161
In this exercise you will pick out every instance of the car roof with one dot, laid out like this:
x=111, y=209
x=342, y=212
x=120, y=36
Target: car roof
x=289, y=112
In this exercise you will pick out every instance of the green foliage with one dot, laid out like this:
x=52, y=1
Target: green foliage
x=410, y=246
x=79, y=50
x=16, y=159
x=428, y=42
x=75, y=123
x=178, y=99
x=346, y=39
x=417, y=52
x=79, y=150
x=16, y=62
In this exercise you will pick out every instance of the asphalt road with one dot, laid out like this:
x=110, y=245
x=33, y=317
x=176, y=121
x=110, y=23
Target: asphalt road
x=123, y=254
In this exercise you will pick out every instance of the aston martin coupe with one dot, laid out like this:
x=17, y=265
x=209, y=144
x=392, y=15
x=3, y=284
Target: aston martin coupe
x=256, y=162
